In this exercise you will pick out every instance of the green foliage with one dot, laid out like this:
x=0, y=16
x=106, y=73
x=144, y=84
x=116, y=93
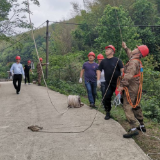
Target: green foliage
x=66, y=87
x=151, y=87
x=143, y=12
x=8, y=26
x=111, y=34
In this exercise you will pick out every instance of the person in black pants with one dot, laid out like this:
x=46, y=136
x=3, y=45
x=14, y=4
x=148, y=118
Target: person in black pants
x=27, y=69
x=17, y=78
x=108, y=65
x=17, y=72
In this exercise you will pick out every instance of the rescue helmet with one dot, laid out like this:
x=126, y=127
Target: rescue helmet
x=29, y=61
x=112, y=47
x=91, y=54
x=18, y=57
x=40, y=59
x=100, y=57
x=144, y=50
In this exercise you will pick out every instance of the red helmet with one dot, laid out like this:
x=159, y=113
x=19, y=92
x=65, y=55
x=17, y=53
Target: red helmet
x=91, y=54
x=100, y=56
x=112, y=47
x=29, y=61
x=40, y=59
x=144, y=50
x=18, y=57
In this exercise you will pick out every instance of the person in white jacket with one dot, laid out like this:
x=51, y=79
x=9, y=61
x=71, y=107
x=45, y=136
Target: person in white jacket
x=100, y=57
x=17, y=72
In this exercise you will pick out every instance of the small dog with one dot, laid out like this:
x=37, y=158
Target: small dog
x=74, y=101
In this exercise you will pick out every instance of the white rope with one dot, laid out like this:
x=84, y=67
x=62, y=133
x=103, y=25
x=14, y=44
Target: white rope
x=40, y=62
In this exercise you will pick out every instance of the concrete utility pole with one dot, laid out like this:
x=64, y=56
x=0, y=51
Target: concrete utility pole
x=47, y=45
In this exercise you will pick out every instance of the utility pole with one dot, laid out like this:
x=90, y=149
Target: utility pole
x=47, y=45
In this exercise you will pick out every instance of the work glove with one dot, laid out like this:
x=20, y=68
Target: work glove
x=23, y=77
x=32, y=73
x=99, y=84
x=48, y=63
x=80, y=80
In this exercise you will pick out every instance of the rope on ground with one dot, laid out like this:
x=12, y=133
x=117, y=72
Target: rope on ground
x=40, y=62
x=47, y=86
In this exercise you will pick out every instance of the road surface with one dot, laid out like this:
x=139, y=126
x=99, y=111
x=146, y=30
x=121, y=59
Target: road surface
x=103, y=141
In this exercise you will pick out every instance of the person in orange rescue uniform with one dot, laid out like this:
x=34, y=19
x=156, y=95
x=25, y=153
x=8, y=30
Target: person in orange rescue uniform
x=130, y=83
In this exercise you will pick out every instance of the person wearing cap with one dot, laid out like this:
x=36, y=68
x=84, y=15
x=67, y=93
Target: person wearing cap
x=131, y=81
x=113, y=67
x=39, y=70
x=17, y=72
x=100, y=57
x=27, y=69
x=90, y=76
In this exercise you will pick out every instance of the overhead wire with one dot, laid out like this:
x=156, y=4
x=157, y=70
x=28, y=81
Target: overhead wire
x=78, y=24
x=21, y=38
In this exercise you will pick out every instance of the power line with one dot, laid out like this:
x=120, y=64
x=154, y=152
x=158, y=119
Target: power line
x=78, y=24
x=21, y=38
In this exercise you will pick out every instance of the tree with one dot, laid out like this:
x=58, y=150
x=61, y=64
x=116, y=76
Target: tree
x=143, y=12
x=109, y=32
x=9, y=26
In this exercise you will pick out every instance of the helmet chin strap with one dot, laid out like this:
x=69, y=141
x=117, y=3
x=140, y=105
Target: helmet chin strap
x=140, y=56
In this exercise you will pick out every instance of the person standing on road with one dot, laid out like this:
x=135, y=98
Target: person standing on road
x=131, y=82
x=17, y=72
x=90, y=69
x=27, y=69
x=110, y=65
x=102, y=78
x=39, y=70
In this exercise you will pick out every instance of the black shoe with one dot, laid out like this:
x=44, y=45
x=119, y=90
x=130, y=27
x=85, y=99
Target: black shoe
x=17, y=92
x=143, y=129
x=92, y=105
x=131, y=133
x=107, y=117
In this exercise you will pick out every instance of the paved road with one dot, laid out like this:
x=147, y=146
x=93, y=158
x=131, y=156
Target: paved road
x=101, y=142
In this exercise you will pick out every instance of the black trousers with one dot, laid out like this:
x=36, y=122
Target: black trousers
x=27, y=78
x=109, y=94
x=17, y=78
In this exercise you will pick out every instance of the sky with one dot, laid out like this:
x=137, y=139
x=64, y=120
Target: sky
x=52, y=10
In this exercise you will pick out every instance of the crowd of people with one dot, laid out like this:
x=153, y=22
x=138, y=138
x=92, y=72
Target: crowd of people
x=18, y=71
x=103, y=75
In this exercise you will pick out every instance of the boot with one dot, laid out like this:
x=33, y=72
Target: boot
x=107, y=117
x=143, y=129
x=131, y=133
x=93, y=105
